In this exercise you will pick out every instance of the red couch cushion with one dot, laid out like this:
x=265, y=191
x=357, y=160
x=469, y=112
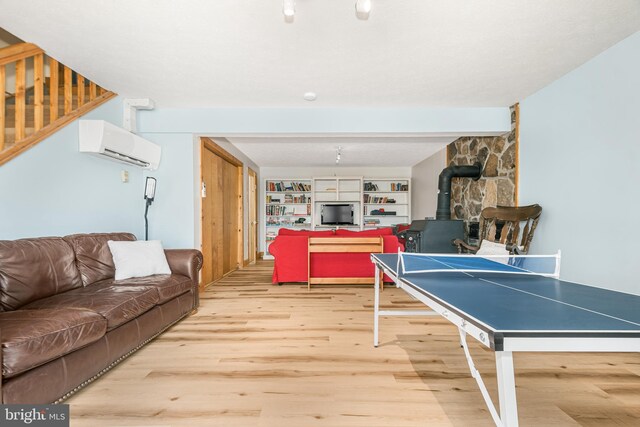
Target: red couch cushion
x=309, y=233
x=387, y=231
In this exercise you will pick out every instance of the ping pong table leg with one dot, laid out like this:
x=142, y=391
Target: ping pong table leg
x=376, y=306
x=507, y=388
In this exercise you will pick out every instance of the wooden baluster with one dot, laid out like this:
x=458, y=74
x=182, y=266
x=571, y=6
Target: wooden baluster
x=21, y=75
x=80, y=90
x=54, y=89
x=68, y=90
x=38, y=91
x=2, y=106
x=92, y=91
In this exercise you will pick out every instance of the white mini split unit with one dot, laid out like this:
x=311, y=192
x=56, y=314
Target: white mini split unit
x=111, y=142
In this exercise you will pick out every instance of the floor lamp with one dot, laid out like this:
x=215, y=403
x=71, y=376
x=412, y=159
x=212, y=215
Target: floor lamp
x=149, y=195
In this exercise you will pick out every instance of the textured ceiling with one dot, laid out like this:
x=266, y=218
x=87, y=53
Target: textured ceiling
x=321, y=151
x=241, y=53
x=235, y=53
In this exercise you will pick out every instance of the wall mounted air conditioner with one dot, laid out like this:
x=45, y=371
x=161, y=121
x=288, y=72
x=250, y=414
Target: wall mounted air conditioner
x=108, y=141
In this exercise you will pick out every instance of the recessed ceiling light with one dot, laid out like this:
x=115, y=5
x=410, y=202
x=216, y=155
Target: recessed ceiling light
x=363, y=9
x=310, y=96
x=289, y=8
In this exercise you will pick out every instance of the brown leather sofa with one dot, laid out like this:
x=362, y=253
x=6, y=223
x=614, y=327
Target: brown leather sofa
x=64, y=321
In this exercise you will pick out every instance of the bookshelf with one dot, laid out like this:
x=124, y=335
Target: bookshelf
x=288, y=201
x=386, y=202
x=287, y=204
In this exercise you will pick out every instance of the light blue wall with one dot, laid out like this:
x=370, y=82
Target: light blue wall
x=580, y=160
x=52, y=189
x=172, y=215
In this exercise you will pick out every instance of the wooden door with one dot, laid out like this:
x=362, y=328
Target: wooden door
x=206, y=185
x=221, y=223
x=253, y=216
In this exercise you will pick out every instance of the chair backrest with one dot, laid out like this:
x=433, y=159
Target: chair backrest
x=509, y=225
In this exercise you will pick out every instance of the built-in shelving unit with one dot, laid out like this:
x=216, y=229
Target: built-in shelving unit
x=296, y=203
x=337, y=190
x=386, y=202
x=288, y=204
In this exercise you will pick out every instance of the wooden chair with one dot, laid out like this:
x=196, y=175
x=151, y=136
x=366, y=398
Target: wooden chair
x=343, y=245
x=518, y=225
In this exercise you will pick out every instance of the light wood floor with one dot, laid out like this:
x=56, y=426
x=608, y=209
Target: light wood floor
x=262, y=355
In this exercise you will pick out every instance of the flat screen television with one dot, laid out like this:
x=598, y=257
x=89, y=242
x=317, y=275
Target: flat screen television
x=336, y=214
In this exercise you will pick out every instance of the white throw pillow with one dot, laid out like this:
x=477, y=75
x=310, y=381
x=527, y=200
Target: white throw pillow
x=138, y=259
x=488, y=248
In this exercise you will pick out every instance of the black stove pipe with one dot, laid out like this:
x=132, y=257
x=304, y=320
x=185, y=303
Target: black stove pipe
x=444, y=186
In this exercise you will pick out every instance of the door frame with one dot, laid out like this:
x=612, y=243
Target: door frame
x=252, y=173
x=207, y=143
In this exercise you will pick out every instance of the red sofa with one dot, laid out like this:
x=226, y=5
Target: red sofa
x=290, y=250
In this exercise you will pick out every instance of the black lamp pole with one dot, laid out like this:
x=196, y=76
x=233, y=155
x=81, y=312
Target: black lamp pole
x=149, y=196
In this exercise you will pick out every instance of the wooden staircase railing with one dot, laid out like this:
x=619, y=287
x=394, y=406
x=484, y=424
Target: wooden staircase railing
x=57, y=96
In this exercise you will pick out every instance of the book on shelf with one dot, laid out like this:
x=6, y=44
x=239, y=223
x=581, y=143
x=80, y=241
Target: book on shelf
x=382, y=212
x=291, y=186
x=290, y=198
x=272, y=210
x=284, y=210
x=398, y=186
x=378, y=200
x=370, y=186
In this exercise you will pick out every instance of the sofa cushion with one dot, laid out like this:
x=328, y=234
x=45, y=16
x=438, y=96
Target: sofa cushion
x=117, y=304
x=387, y=231
x=31, y=269
x=33, y=337
x=168, y=286
x=138, y=259
x=310, y=233
x=93, y=256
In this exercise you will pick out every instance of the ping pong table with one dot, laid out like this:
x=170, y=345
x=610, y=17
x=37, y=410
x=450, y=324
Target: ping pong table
x=511, y=304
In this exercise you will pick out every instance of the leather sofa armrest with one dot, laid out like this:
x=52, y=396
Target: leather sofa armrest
x=1, y=400
x=186, y=262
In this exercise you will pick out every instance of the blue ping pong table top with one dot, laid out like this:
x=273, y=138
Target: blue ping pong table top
x=526, y=305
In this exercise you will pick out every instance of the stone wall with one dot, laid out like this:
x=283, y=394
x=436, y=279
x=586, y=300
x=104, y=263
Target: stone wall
x=497, y=186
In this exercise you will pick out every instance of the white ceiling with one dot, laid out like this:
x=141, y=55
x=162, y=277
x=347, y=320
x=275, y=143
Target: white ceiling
x=355, y=151
x=241, y=53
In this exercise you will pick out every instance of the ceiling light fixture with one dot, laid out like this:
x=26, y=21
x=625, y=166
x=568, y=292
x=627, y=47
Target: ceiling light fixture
x=310, y=96
x=288, y=8
x=363, y=9
x=338, y=154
